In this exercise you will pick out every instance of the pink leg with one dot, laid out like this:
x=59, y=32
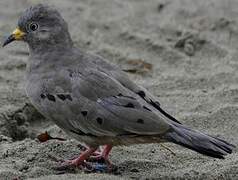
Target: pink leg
x=83, y=157
x=106, y=151
x=93, y=155
x=79, y=161
x=103, y=155
x=98, y=151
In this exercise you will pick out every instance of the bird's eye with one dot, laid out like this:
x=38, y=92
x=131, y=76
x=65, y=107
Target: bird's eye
x=33, y=26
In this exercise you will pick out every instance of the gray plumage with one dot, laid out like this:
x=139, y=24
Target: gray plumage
x=92, y=100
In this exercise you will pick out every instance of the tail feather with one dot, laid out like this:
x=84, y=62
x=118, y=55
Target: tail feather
x=199, y=142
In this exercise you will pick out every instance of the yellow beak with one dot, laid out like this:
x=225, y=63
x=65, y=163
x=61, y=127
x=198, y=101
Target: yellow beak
x=16, y=35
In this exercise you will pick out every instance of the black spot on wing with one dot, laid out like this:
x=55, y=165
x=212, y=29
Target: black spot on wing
x=141, y=94
x=99, y=120
x=130, y=97
x=50, y=97
x=43, y=96
x=84, y=113
x=130, y=105
x=69, y=97
x=140, y=121
x=146, y=108
x=155, y=104
x=63, y=97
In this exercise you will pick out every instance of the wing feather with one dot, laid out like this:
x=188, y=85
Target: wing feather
x=100, y=105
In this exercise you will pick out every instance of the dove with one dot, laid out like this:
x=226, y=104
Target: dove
x=92, y=100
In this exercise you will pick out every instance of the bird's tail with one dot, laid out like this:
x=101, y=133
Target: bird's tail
x=199, y=142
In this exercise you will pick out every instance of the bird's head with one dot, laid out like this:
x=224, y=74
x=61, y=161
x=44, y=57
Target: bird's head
x=42, y=27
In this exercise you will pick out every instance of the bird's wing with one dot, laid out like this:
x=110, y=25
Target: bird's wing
x=99, y=105
x=122, y=77
x=143, y=93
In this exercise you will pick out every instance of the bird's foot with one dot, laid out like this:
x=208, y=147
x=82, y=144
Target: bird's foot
x=89, y=161
x=77, y=163
x=73, y=165
x=102, y=156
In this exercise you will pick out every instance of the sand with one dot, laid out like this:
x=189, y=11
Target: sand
x=192, y=46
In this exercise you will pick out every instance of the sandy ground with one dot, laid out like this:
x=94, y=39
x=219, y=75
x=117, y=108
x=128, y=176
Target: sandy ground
x=192, y=46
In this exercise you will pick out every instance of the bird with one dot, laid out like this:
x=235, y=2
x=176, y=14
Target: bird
x=92, y=100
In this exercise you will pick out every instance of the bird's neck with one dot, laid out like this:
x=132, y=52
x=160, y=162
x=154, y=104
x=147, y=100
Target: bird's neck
x=48, y=49
x=53, y=60
x=64, y=43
